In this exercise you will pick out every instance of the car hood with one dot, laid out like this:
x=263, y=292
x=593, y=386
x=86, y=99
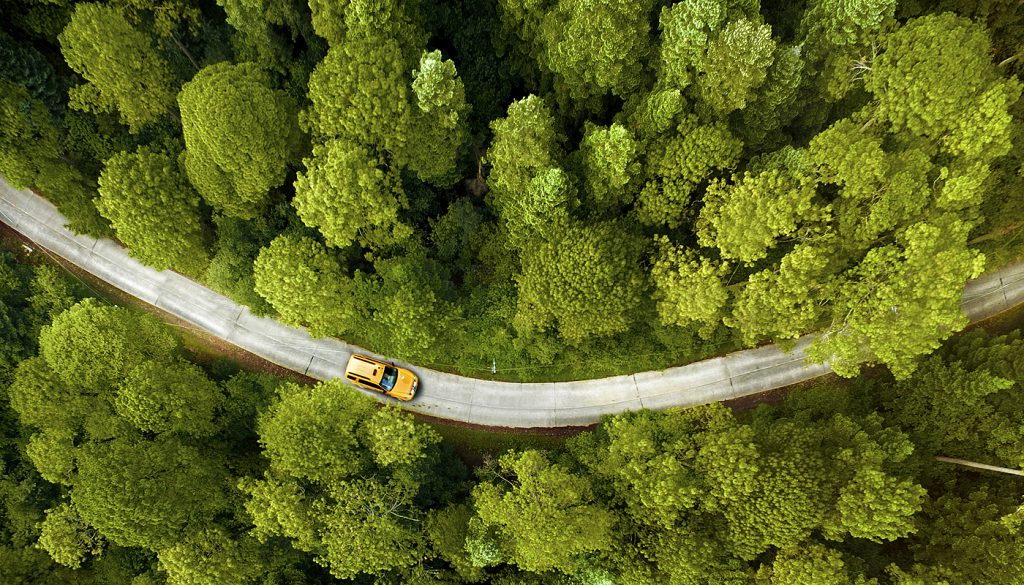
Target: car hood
x=404, y=385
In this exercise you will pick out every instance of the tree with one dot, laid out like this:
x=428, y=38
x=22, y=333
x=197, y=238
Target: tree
x=931, y=74
x=240, y=136
x=169, y=397
x=117, y=341
x=123, y=70
x=313, y=433
x=339, y=503
x=305, y=284
x=31, y=156
x=548, y=515
x=897, y=304
x=688, y=287
x=808, y=564
x=213, y=555
x=736, y=64
x=952, y=409
x=439, y=120
x=582, y=280
x=611, y=169
x=347, y=193
x=743, y=220
x=678, y=163
x=360, y=93
x=525, y=144
x=596, y=46
x=786, y=301
x=146, y=493
x=154, y=210
x=68, y=540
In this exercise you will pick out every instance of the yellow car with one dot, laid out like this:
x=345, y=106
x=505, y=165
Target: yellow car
x=366, y=372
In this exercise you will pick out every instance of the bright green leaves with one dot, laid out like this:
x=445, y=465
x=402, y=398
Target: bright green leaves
x=736, y=64
x=348, y=194
x=439, y=120
x=901, y=301
x=68, y=540
x=312, y=433
x=544, y=514
x=879, y=507
x=359, y=92
x=582, y=281
x=96, y=346
x=240, y=136
x=688, y=288
x=330, y=487
x=806, y=564
x=394, y=438
x=685, y=28
x=933, y=73
x=525, y=144
x=679, y=163
x=596, y=46
x=213, y=555
x=123, y=70
x=153, y=210
x=743, y=220
x=784, y=302
x=305, y=284
x=169, y=397
x=611, y=168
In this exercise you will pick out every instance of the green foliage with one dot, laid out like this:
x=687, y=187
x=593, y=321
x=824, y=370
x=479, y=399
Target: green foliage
x=123, y=70
x=153, y=210
x=546, y=515
x=360, y=93
x=146, y=493
x=349, y=194
x=327, y=489
x=305, y=284
x=596, y=46
x=30, y=156
x=213, y=556
x=68, y=540
x=688, y=288
x=744, y=219
x=240, y=136
x=439, y=120
x=526, y=143
x=582, y=281
x=736, y=64
x=117, y=341
x=611, y=170
x=901, y=301
x=785, y=302
x=808, y=564
x=172, y=397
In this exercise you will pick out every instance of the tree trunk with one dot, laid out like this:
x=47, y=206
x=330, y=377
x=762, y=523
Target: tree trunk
x=967, y=463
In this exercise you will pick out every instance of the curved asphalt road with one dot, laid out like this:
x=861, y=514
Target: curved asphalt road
x=470, y=400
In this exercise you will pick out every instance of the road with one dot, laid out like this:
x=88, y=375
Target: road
x=443, y=395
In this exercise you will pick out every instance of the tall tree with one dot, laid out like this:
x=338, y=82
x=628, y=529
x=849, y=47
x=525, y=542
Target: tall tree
x=581, y=280
x=240, y=136
x=153, y=210
x=305, y=284
x=546, y=515
x=439, y=120
x=348, y=194
x=123, y=70
x=901, y=301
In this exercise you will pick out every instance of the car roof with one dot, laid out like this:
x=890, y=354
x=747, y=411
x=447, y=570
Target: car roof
x=363, y=367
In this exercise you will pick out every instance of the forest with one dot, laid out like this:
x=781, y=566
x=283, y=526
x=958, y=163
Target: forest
x=124, y=462
x=564, y=188
x=571, y=188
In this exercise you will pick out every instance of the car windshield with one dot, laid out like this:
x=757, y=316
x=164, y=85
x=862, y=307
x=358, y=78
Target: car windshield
x=387, y=381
